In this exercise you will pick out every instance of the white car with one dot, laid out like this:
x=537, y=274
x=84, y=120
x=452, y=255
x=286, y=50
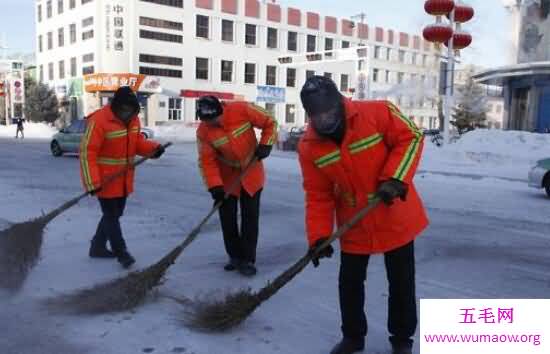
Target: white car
x=539, y=176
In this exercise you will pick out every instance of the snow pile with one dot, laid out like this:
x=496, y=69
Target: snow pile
x=32, y=130
x=497, y=146
x=176, y=133
x=489, y=153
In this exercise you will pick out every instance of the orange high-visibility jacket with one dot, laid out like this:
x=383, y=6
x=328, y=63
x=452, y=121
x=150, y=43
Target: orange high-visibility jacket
x=380, y=144
x=106, y=148
x=224, y=150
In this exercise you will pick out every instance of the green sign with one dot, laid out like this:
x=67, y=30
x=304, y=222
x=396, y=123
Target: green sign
x=75, y=87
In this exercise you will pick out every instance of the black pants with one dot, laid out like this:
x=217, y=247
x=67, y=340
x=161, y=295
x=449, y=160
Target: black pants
x=241, y=245
x=19, y=130
x=402, y=317
x=108, y=228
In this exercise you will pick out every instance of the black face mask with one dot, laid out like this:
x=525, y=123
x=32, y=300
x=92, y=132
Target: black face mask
x=330, y=122
x=125, y=114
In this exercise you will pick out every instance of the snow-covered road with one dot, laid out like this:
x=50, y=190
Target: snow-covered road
x=489, y=238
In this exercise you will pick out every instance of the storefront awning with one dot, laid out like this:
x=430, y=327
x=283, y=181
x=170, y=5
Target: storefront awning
x=500, y=76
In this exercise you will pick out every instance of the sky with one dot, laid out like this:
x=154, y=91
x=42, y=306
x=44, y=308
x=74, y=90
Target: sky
x=489, y=27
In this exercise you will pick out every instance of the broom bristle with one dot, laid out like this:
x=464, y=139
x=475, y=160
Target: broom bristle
x=20, y=246
x=220, y=315
x=117, y=295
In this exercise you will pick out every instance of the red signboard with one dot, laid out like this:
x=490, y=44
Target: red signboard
x=2, y=89
x=197, y=94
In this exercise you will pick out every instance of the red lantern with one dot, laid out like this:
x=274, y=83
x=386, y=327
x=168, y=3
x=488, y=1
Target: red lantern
x=439, y=7
x=461, y=40
x=437, y=33
x=463, y=13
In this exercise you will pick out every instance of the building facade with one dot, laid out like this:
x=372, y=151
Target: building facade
x=12, y=90
x=173, y=51
x=526, y=82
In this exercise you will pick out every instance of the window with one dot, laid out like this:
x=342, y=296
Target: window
x=203, y=26
x=61, y=37
x=40, y=44
x=292, y=41
x=174, y=108
x=173, y=3
x=86, y=1
x=490, y=107
x=414, y=58
x=329, y=44
x=49, y=8
x=401, y=56
x=328, y=75
x=249, y=73
x=62, y=69
x=375, y=75
x=72, y=4
x=87, y=21
x=388, y=54
x=157, y=59
x=387, y=76
x=88, y=58
x=424, y=60
x=499, y=108
x=311, y=43
x=72, y=33
x=50, y=40
x=227, y=71
x=344, y=82
x=39, y=13
x=87, y=35
x=201, y=65
x=271, y=75
x=88, y=70
x=59, y=6
x=250, y=35
x=161, y=36
x=400, y=77
x=227, y=30
x=290, y=77
x=73, y=67
x=50, y=71
x=271, y=109
x=377, y=52
x=41, y=73
x=160, y=72
x=153, y=22
x=272, y=38
x=309, y=73
x=290, y=114
x=345, y=44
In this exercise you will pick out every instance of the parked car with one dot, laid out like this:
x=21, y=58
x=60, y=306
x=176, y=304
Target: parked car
x=539, y=176
x=68, y=139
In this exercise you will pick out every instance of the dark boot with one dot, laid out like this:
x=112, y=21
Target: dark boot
x=233, y=264
x=126, y=259
x=349, y=346
x=247, y=269
x=99, y=251
x=402, y=349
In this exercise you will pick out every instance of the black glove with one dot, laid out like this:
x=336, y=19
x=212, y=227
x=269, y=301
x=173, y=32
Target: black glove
x=218, y=194
x=95, y=191
x=324, y=253
x=263, y=151
x=158, y=152
x=391, y=189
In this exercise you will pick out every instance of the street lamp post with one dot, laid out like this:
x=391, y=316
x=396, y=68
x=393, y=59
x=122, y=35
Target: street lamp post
x=454, y=38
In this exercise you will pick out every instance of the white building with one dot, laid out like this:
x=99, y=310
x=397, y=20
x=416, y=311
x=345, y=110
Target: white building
x=12, y=90
x=173, y=51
